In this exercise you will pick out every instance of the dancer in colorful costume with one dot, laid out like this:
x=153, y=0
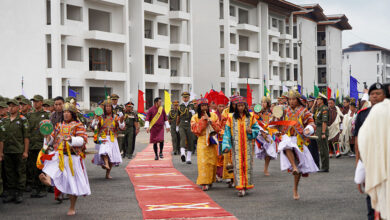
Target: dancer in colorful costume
x=265, y=145
x=64, y=167
x=205, y=125
x=240, y=131
x=107, y=128
x=299, y=125
x=221, y=101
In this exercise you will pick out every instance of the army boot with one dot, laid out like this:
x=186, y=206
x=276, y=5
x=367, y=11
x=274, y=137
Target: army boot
x=10, y=197
x=34, y=193
x=19, y=197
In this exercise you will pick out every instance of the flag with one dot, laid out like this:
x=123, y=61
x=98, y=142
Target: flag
x=141, y=102
x=299, y=89
x=337, y=94
x=72, y=93
x=316, y=91
x=329, y=92
x=353, y=90
x=249, y=95
x=167, y=101
x=266, y=91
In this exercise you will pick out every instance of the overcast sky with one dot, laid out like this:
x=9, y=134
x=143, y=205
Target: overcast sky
x=370, y=19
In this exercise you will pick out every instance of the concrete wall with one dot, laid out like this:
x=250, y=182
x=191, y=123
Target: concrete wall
x=334, y=57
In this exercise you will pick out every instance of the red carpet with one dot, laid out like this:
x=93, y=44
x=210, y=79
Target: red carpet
x=165, y=193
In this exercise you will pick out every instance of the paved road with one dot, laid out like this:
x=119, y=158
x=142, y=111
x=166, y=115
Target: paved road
x=323, y=196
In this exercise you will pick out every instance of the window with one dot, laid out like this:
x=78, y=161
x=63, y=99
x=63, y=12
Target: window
x=295, y=51
x=149, y=64
x=232, y=38
x=322, y=75
x=164, y=1
x=163, y=62
x=79, y=92
x=288, y=51
x=148, y=1
x=175, y=65
x=222, y=39
x=100, y=59
x=275, y=71
x=174, y=35
x=48, y=50
x=287, y=29
x=274, y=23
x=295, y=72
x=148, y=29
x=149, y=98
x=288, y=74
x=243, y=43
x=48, y=12
x=222, y=68
x=243, y=16
x=244, y=70
x=74, y=13
x=243, y=92
x=162, y=29
x=99, y=20
x=232, y=11
x=174, y=5
x=97, y=94
x=275, y=47
x=233, y=66
x=75, y=53
x=295, y=32
x=220, y=10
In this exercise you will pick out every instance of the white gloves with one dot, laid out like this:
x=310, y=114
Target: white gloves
x=120, y=114
x=177, y=129
x=192, y=111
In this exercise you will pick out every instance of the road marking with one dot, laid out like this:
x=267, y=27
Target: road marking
x=155, y=174
x=144, y=187
x=180, y=207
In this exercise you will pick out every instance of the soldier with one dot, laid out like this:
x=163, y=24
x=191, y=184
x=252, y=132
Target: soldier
x=116, y=109
x=132, y=129
x=48, y=106
x=183, y=123
x=36, y=143
x=3, y=108
x=25, y=107
x=172, y=118
x=321, y=118
x=16, y=143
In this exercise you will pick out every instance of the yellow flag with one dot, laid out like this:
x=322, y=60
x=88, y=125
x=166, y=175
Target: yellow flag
x=167, y=101
x=337, y=93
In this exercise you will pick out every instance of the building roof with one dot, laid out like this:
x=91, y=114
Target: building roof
x=361, y=46
x=286, y=5
x=340, y=21
x=313, y=11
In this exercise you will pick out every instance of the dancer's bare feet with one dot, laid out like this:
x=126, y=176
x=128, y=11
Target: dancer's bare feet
x=71, y=212
x=108, y=176
x=266, y=173
x=296, y=195
x=45, y=179
x=295, y=172
x=106, y=166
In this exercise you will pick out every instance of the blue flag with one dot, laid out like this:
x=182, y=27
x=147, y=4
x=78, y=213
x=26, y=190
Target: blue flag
x=299, y=89
x=353, y=90
x=72, y=93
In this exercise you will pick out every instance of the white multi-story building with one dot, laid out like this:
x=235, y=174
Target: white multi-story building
x=57, y=44
x=95, y=47
x=368, y=63
x=160, y=34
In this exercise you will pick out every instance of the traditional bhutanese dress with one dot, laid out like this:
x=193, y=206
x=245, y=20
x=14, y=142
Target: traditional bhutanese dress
x=293, y=138
x=106, y=139
x=242, y=145
x=227, y=157
x=206, y=149
x=66, y=168
x=157, y=131
x=264, y=148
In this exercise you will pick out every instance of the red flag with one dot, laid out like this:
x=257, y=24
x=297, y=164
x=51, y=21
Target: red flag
x=222, y=99
x=248, y=95
x=141, y=102
x=329, y=92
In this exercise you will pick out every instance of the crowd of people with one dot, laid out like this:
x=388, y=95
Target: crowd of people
x=226, y=134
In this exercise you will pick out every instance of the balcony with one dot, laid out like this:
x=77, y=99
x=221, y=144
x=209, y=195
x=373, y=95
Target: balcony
x=180, y=47
x=155, y=44
x=109, y=2
x=286, y=36
x=249, y=54
x=321, y=61
x=179, y=15
x=105, y=75
x=180, y=79
x=155, y=10
x=249, y=80
x=105, y=36
x=247, y=28
x=274, y=33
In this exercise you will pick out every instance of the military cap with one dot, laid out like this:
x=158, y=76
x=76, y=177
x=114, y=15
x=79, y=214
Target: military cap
x=2, y=99
x=185, y=94
x=46, y=102
x=25, y=102
x=19, y=97
x=37, y=98
x=114, y=96
x=175, y=102
x=129, y=103
x=311, y=98
x=3, y=105
x=13, y=101
x=376, y=86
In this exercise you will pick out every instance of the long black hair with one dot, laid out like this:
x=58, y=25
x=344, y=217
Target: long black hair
x=231, y=108
x=199, y=111
x=236, y=114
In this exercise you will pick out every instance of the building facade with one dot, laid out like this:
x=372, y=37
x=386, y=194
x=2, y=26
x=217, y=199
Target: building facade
x=368, y=63
x=98, y=47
